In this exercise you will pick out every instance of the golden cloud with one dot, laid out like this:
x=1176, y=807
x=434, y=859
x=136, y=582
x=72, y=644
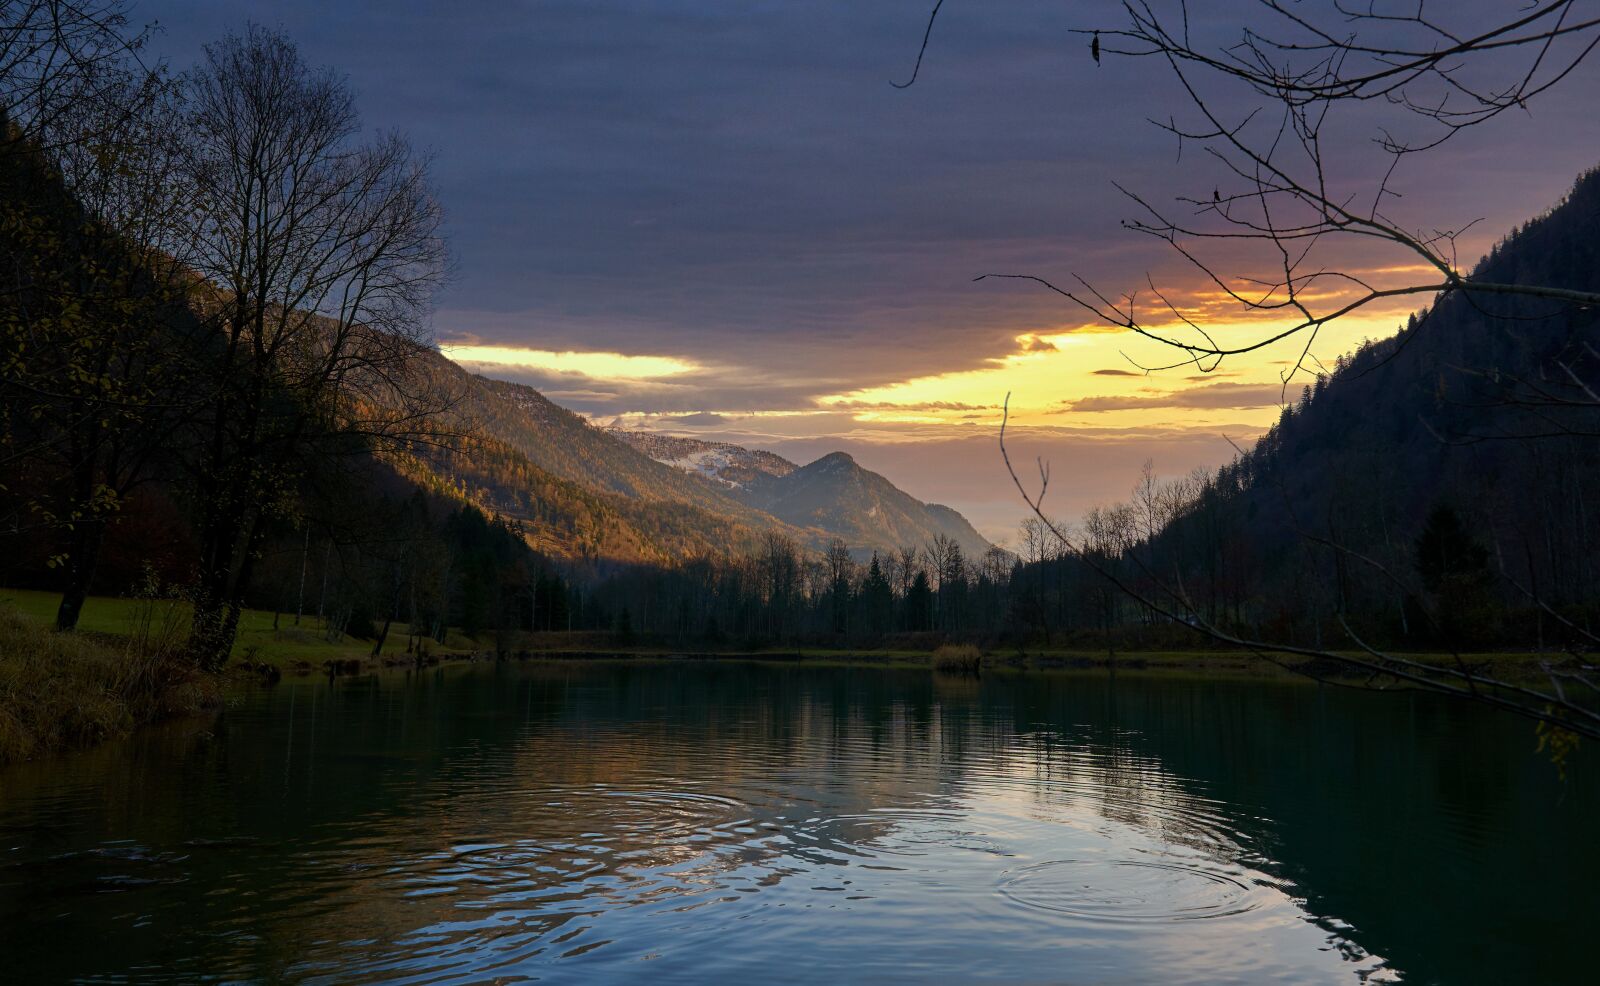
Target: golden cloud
x=594, y=365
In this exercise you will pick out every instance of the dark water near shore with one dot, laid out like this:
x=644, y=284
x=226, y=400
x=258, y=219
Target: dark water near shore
x=733, y=823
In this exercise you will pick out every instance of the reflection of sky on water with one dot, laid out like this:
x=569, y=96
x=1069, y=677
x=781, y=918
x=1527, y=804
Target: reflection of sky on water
x=722, y=824
x=890, y=847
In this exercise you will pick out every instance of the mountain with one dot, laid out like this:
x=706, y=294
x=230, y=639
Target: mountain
x=836, y=494
x=567, y=445
x=580, y=492
x=722, y=463
x=1467, y=436
x=575, y=491
x=1463, y=395
x=833, y=494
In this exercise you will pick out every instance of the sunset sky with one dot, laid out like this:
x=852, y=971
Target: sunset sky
x=720, y=219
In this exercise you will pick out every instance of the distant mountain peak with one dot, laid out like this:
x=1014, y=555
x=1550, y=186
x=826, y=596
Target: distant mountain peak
x=834, y=494
x=833, y=460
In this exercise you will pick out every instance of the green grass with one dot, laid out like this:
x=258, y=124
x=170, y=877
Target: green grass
x=292, y=647
x=287, y=647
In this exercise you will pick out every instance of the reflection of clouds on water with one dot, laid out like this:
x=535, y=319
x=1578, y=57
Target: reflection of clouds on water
x=573, y=823
x=590, y=841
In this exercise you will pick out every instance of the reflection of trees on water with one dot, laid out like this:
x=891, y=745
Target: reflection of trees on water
x=506, y=808
x=1390, y=815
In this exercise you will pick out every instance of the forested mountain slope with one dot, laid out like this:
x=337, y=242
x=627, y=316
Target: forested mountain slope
x=696, y=496
x=1476, y=424
x=578, y=492
x=566, y=445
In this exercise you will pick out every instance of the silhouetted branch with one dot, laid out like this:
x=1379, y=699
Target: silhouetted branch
x=922, y=50
x=1260, y=107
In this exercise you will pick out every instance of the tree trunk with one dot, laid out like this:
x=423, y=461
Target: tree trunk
x=211, y=633
x=394, y=607
x=228, y=559
x=322, y=600
x=377, y=645
x=300, y=599
x=210, y=641
x=83, y=551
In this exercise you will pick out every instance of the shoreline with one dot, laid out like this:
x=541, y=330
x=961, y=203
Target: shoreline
x=65, y=692
x=1512, y=667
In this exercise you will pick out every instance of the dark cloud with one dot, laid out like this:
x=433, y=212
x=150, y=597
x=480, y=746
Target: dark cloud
x=688, y=393
x=700, y=419
x=738, y=184
x=1118, y=373
x=1217, y=396
x=740, y=181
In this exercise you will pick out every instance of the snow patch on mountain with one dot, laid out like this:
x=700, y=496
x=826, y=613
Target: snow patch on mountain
x=732, y=466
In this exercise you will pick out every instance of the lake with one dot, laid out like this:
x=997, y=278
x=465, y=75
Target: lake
x=706, y=822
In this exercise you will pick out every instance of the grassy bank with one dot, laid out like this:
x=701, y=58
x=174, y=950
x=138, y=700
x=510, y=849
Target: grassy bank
x=63, y=691
x=264, y=637
x=125, y=665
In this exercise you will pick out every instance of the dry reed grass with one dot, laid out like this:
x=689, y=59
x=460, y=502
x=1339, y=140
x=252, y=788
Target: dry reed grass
x=958, y=658
x=59, y=691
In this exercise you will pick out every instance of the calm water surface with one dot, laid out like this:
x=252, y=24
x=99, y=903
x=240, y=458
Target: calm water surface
x=740, y=823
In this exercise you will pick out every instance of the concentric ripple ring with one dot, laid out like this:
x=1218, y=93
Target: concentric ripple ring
x=1126, y=890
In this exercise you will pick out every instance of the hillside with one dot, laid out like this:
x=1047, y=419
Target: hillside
x=627, y=494
x=722, y=463
x=1476, y=419
x=865, y=509
x=566, y=445
x=578, y=492
x=834, y=493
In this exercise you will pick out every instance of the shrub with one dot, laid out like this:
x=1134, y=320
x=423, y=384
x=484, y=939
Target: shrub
x=958, y=658
x=65, y=690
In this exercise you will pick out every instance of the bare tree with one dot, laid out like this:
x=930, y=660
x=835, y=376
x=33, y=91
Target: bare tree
x=995, y=565
x=948, y=565
x=889, y=567
x=56, y=56
x=908, y=563
x=112, y=418
x=319, y=253
x=781, y=574
x=53, y=57
x=1267, y=108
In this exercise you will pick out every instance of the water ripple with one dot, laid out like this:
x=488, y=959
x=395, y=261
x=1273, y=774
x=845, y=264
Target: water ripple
x=1129, y=890
x=536, y=834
